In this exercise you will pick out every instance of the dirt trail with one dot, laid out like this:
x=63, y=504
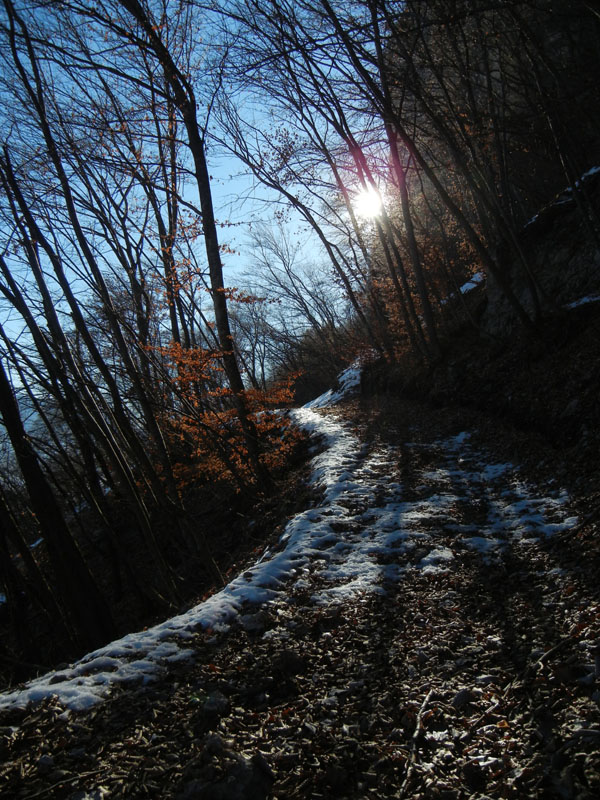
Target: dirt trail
x=436, y=643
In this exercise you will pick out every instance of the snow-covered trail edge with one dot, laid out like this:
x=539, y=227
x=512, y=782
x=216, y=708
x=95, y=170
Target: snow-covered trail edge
x=142, y=655
x=360, y=536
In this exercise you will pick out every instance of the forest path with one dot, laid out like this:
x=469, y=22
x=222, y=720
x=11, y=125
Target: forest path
x=431, y=630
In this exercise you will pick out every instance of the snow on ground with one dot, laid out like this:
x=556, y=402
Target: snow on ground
x=472, y=283
x=360, y=535
x=590, y=298
x=565, y=196
x=347, y=381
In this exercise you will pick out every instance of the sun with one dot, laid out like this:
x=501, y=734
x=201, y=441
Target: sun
x=367, y=203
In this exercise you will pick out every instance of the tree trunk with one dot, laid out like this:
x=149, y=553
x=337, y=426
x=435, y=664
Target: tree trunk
x=184, y=98
x=75, y=584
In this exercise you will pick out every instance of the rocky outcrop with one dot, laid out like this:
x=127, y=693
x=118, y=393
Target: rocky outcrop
x=561, y=245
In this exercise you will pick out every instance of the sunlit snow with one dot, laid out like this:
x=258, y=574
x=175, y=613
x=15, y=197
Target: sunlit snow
x=347, y=381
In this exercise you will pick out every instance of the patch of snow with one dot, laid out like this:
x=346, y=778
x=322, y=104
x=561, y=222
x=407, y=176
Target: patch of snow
x=484, y=544
x=347, y=382
x=591, y=171
x=493, y=471
x=472, y=283
x=458, y=441
x=140, y=657
x=590, y=298
x=588, y=174
x=565, y=195
x=436, y=561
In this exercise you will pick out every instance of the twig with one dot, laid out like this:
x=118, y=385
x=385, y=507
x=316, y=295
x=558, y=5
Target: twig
x=74, y=778
x=545, y=656
x=535, y=665
x=580, y=733
x=413, y=749
x=482, y=716
x=531, y=669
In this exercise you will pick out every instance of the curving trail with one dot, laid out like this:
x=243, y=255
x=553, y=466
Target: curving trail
x=422, y=630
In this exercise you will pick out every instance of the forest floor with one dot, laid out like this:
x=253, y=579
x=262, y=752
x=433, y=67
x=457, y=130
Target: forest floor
x=467, y=665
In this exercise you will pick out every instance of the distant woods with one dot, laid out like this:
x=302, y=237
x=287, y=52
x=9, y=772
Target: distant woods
x=135, y=379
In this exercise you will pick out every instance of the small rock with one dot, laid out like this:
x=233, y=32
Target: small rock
x=244, y=779
x=214, y=744
x=256, y=623
x=44, y=764
x=216, y=705
x=94, y=794
x=290, y=663
x=475, y=777
x=462, y=698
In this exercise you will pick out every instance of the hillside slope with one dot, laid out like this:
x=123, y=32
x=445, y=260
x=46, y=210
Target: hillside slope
x=544, y=390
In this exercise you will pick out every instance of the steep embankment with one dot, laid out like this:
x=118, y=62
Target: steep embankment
x=431, y=631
